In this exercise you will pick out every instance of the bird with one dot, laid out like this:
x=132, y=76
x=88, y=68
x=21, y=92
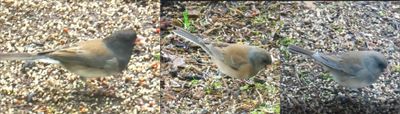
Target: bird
x=353, y=69
x=238, y=61
x=88, y=59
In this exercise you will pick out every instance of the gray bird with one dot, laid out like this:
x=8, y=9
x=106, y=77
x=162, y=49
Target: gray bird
x=354, y=69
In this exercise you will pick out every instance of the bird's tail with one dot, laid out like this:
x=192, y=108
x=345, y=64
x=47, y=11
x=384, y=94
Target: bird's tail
x=20, y=56
x=300, y=50
x=195, y=39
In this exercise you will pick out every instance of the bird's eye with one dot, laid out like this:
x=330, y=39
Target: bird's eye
x=266, y=61
x=382, y=65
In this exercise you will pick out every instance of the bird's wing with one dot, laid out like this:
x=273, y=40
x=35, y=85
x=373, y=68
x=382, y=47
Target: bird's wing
x=235, y=58
x=340, y=64
x=327, y=60
x=215, y=52
x=351, y=63
x=352, y=69
x=235, y=62
x=90, y=53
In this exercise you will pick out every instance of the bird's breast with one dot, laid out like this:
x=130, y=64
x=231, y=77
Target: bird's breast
x=90, y=72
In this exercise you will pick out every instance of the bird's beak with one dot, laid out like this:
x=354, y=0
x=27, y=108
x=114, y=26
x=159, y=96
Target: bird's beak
x=137, y=40
x=273, y=59
x=140, y=40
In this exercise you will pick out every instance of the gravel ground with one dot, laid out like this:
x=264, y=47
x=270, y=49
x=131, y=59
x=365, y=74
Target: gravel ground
x=190, y=82
x=336, y=27
x=34, y=26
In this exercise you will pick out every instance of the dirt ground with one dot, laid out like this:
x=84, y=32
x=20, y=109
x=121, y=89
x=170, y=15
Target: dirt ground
x=191, y=82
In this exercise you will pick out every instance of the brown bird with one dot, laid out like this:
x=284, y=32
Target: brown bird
x=236, y=60
x=89, y=59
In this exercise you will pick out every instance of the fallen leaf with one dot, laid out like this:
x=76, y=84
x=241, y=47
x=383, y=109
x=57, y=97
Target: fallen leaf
x=178, y=62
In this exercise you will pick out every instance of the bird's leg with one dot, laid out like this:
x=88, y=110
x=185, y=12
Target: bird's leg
x=250, y=81
x=208, y=68
x=219, y=77
x=356, y=90
x=86, y=83
x=218, y=73
x=84, y=80
x=359, y=94
x=349, y=91
x=88, y=89
x=103, y=87
x=342, y=95
x=346, y=92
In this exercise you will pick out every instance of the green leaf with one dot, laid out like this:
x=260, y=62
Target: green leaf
x=194, y=82
x=186, y=21
x=157, y=56
x=397, y=68
x=245, y=87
